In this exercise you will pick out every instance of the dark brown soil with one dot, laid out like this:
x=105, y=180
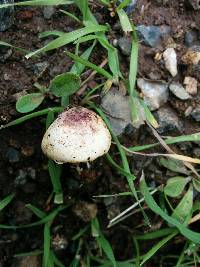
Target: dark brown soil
x=28, y=176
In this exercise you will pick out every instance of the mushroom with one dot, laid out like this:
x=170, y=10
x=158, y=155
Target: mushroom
x=77, y=135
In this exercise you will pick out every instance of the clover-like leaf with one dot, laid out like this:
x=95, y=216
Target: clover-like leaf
x=29, y=102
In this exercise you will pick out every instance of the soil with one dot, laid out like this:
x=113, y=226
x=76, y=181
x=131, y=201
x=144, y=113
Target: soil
x=24, y=167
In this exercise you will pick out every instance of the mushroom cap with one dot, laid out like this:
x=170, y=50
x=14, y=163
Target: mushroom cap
x=77, y=135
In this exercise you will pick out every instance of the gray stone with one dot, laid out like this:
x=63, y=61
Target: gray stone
x=117, y=108
x=196, y=114
x=191, y=38
x=12, y=155
x=151, y=35
x=48, y=11
x=6, y=15
x=168, y=121
x=155, y=92
x=39, y=68
x=124, y=44
x=179, y=91
x=195, y=4
x=21, y=178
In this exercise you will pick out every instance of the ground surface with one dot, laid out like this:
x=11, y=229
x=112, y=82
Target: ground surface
x=23, y=168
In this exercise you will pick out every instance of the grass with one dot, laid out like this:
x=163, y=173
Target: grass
x=91, y=31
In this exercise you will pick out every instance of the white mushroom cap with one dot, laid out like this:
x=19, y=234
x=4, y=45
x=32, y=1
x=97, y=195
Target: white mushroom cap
x=77, y=135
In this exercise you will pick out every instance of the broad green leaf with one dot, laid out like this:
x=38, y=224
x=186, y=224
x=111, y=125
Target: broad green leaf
x=189, y=234
x=65, y=84
x=175, y=186
x=29, y=102
x=183, y=211
x=173, y=165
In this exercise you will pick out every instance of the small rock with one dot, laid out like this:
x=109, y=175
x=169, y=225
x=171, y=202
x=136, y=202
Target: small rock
x=12, y=155
x=196, y=114
x=151, y=35
x=21, y=178
x=27, y=150
x=190, y=85
x=191, y=38
x=179, y=91
x=39, y=68
x=168, y=121
x=192, y=56
x=85, y=211
x=48, y=11
x=6, y=15
x=117, y=108
x=28, y=261
x=170, y=59
x=195, y=4
x=155, y=92
x=59, y=242
x=124, y=44
x=196, y=152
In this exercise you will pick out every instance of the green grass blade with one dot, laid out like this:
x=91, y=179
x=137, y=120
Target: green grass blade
x=55, y=173
x=90, y=65
x=31, y=253
x=39, y=213
x=51, y=33
x=12, y=46
x=191, y=235
x=156, y=247
x=4, y=202
x=123, y=4
x=124, y=20
x=47, y=243
x=155, y=234
x=106, y=247
x=32, y=115
x=78, y=68
x=71, y=16
x=67, y=38
x=39, y=3
x=49, y=119
x=56, y=260
x=133, y=63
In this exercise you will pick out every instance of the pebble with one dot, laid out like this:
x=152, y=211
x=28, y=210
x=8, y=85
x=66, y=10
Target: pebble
x=12, y=155
x=85, y=211
x=6, y=15
x=192, y=56
x=151, y=35
x=40, y=68
x=191, y=38
x=48, y=11
x=179, y=91
x=195, y=4
x=168, y=121
x=190, y=85
x=155, y=92
x=21, y=178
x=170, y=59
x=124, y=44
x=196, y=114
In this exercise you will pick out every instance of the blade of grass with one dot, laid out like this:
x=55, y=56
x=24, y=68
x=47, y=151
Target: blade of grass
x=67, y=38
x=12, y=46
x=47, y=241
x=39, y=213
x=56, y=260
x=124, y=20
x=156, y=247
x=4, y=202
x=50, y=33
x=38, y=3
x=78, y=68
x=71, y=16
x=55, y=173
x=191, y=235
x=90, y=65
x=32, y=115
x=155, y=234
x=49, y=119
